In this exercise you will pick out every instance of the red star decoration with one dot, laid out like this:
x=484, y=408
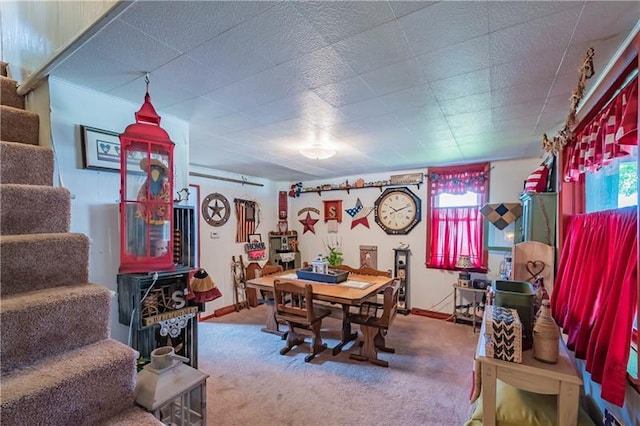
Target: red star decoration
x=308, y=223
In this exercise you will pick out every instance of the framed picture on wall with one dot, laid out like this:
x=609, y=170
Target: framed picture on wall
x=100, y=149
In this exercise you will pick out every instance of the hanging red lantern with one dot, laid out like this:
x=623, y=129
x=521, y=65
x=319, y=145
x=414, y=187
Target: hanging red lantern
x=146, y=188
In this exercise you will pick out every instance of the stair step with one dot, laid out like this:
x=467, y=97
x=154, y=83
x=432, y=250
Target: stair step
x=47, y=322
x=19, y=125
x=68, y=254
x=81, y=387
x=136, y=416
x=26, y=164
x=33, y=209
x=9, y=93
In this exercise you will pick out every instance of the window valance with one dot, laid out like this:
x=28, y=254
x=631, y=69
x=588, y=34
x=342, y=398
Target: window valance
x=458, y=180
x=611, y=134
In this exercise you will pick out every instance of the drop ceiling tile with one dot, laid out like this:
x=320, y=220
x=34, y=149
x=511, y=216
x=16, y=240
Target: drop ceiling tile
x=199, y=110
x=420, y=97
x=348, y=91
x=604, y=20
x=264, y=87
x=231, y=123
x=517, y=110
x=230, y=57
x=395, y=77
x=379, y=124
x=364, y=109
x=163, y=93
x=470, y=123
x=518, y=94
x=165, y=20
x=444, y=24
x=519, y=72
x=120, y=41
x=462, y=85
x=194, y=78
x=460, y=58
x=339, y=20
x=509, y=13
x=473, y=103
x=402, y=8
x=96, y=72
x=321, y=67
x=420, y=124
x=374, y=48
x=280, y=33
x=527, y=40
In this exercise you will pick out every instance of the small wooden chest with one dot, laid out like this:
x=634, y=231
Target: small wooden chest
x=503, y=331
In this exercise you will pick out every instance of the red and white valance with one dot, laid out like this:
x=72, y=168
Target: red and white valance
x=611, y=134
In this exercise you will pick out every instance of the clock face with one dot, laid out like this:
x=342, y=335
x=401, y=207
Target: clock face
x=216, y=209
x=397, y=210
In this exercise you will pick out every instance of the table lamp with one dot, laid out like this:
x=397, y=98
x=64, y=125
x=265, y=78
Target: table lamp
x=464, y=264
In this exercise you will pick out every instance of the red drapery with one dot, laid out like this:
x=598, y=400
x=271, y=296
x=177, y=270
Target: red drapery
x=609, y=135
x=456, y=231
x=595, y=295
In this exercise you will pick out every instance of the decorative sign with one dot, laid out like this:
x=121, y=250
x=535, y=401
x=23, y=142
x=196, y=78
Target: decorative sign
x=308, y=222
x=359, y=214
x=406, y=179
x=282, y=204
x=333, y=210
x=369, y=257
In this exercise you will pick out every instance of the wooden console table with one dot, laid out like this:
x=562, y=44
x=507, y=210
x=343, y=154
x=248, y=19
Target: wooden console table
x=533, y=376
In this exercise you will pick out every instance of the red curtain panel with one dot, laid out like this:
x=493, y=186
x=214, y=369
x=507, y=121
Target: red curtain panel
x=595, y=295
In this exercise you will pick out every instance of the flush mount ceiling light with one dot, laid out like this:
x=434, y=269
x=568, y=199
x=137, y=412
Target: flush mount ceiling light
x=317, y=151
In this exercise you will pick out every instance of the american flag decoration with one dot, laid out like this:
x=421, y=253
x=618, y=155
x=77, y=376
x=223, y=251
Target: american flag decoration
x=247, y=219
x=359, y=214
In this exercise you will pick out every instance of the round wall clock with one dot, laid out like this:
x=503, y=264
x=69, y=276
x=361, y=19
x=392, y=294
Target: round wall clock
x=216, y=209
x=397, y=210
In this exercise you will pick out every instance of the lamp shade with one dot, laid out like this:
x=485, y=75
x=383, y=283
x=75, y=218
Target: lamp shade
x=317, y=151
x=464, y=262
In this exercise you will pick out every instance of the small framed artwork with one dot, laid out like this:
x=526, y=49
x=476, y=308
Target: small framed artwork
x=333, y=210
x=254, y=238
x=100, y=149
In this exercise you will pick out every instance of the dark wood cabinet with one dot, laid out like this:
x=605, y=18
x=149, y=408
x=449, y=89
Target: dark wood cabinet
x=401, y=272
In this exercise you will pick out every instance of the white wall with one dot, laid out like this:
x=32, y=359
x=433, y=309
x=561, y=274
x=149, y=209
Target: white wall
x=218, y=244
x=430, y=289
x=33, y=31
x=95, y=194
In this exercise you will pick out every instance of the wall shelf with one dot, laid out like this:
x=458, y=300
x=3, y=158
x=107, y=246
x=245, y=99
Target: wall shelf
x=320, y=190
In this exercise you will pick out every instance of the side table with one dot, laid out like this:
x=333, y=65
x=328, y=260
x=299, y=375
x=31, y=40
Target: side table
x=531, y=375
x=477, y=300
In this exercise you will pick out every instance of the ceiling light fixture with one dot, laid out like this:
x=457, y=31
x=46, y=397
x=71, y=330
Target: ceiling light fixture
x=317, y=151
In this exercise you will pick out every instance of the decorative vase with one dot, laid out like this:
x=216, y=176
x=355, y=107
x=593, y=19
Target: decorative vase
x=545, y=336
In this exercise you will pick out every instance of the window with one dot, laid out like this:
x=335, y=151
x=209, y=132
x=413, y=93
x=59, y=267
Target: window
x=454, y=222
x=614, y=185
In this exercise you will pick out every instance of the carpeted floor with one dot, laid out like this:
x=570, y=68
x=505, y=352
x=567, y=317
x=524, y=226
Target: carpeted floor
x=250, y=383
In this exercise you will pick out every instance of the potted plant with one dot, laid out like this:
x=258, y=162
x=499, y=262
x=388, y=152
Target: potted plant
x=335, y=257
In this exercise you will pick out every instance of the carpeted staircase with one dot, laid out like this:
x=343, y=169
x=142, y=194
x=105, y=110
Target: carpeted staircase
x=58, y=364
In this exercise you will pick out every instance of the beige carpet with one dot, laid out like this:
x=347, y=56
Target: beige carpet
x=250, y=383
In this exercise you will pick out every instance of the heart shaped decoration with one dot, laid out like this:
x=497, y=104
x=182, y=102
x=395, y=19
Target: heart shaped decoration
x=535, y=267
x=105, y=147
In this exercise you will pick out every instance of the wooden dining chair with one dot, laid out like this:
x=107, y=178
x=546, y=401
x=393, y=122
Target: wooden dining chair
x=374, y=324
x=294, y=305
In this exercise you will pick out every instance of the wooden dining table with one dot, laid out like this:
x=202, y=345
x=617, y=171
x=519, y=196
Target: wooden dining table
x=352, y=292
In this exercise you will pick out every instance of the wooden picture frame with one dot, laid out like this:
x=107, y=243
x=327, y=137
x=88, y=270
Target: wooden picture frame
x=100, y=149
x=333, y=210
x=254, y=238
